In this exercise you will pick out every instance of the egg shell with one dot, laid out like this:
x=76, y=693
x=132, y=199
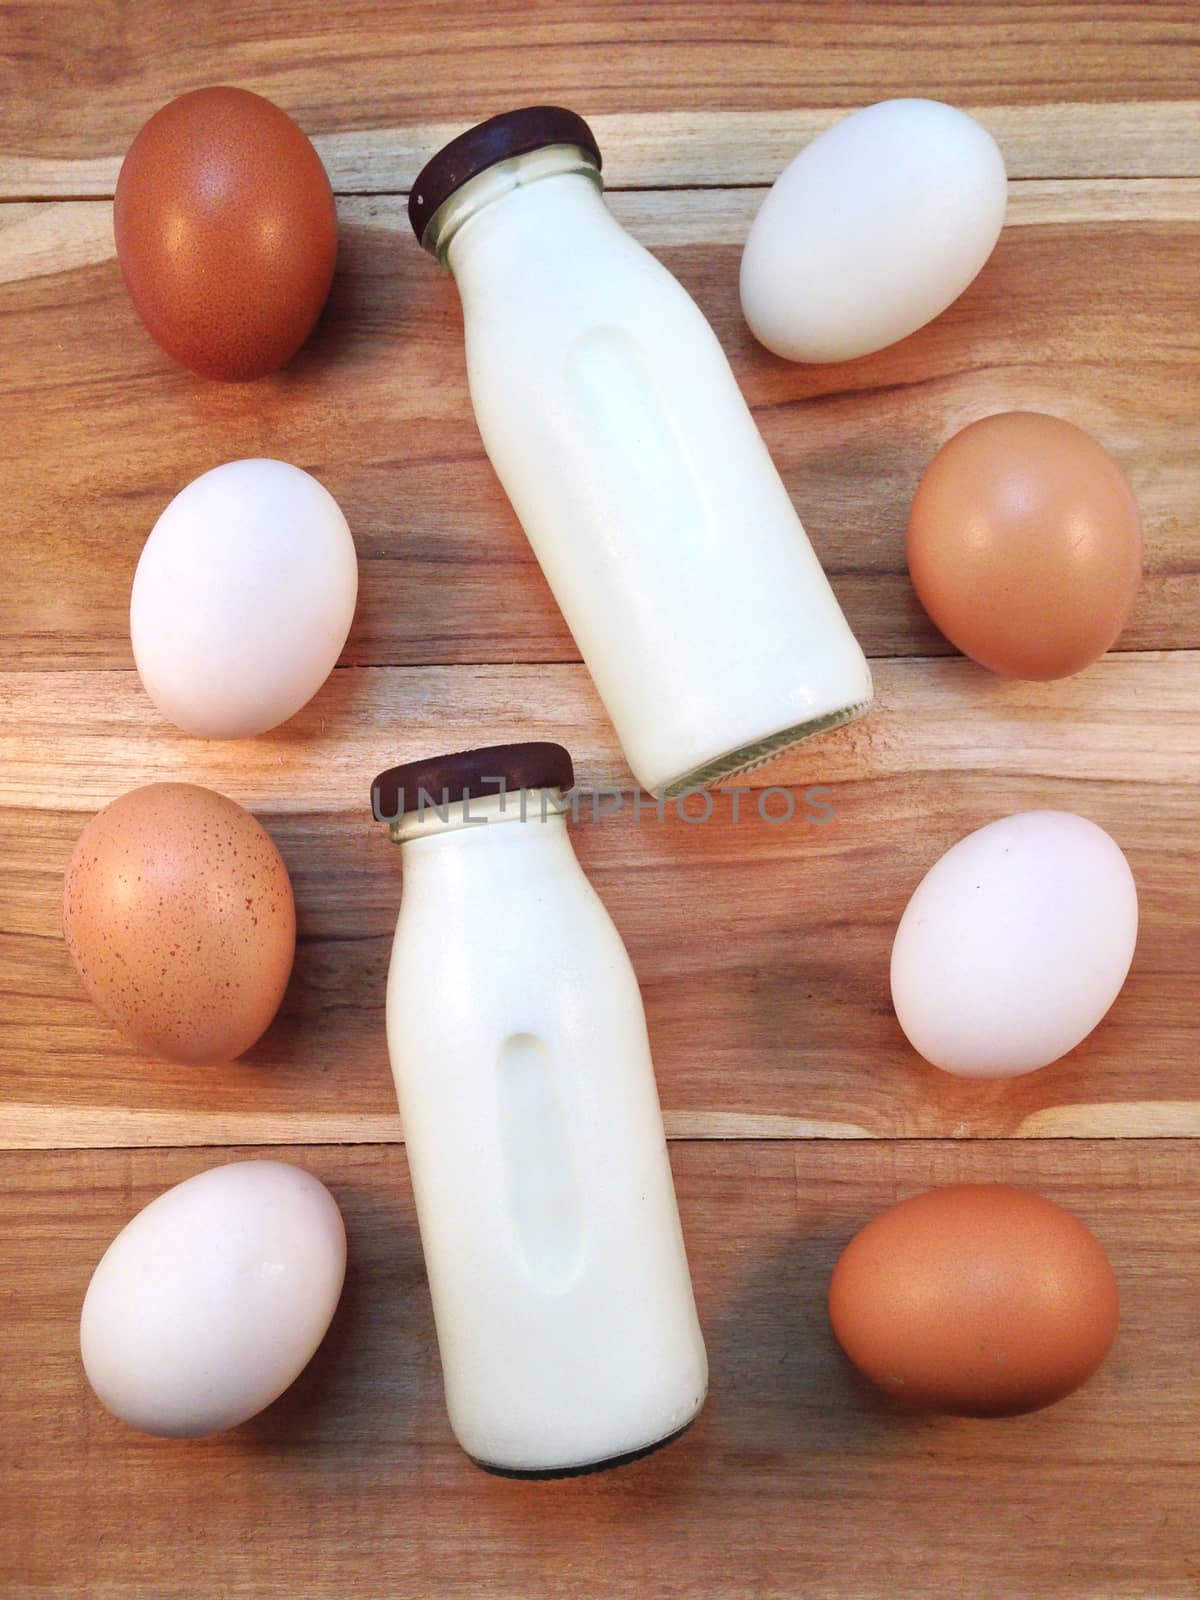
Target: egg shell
x=226, y=232
x=214, y=1298
x=179, y=917
x=1025, y=545
x=977, y=1299
x=1014, y=945
x=872, y=231
x=242, y=599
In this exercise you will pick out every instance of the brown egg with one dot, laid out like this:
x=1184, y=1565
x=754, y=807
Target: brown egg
x=979, y=1300
x=178, y=914
x=226, y=232
x=1025, y=545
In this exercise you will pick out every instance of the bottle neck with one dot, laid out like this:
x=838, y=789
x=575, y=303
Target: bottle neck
x=498, y=182
x=536, y=812
x=481, y=859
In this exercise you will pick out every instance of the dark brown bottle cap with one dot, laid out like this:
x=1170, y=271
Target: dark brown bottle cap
x=512, y=133
x=470, y=775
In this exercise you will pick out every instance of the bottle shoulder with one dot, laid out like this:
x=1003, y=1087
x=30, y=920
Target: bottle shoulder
x=550, y=280
x=505, y=875
x=557, y=971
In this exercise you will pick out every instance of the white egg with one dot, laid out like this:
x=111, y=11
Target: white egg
x=872, y=231
x=242, y=599
x=212, y=1300
x=1014, y=945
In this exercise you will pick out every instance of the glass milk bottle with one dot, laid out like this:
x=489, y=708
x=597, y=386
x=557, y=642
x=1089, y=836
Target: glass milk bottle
x=560, y=1286
x=617, y=429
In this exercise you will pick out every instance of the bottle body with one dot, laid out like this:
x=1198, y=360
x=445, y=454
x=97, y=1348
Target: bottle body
x=556, y=1263
x=615, y=425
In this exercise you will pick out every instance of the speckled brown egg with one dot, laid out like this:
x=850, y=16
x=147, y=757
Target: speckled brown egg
x=977, y=1299
x=178, y=914
x=226, y=232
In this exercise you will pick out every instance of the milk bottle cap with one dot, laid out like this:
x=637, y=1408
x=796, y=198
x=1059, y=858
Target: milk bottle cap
x=512, y=133
x=470, y=775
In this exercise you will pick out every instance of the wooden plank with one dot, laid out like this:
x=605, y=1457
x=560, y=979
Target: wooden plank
x=650, y=149
x=796, y=1479
x=1093, y=319
x=762, y=948
x=72, y=741
x=40, y=238
x=707, y=92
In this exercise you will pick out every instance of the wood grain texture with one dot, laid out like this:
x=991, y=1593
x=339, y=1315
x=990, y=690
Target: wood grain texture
x=796, y=1108
x=701, y=148
x=784, y=930
x=796, y=1480
x=72, y=741
x=44, y=237
x=703, y=92
x=1093, y=317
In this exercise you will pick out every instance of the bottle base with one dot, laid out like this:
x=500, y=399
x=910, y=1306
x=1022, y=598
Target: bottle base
x=586, y=1468
x=759, y=751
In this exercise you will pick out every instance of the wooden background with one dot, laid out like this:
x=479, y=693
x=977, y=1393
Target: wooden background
x=795, y=1106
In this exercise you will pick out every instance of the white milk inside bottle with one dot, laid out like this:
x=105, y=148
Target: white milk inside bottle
x=613, y=420
x=556, y=1263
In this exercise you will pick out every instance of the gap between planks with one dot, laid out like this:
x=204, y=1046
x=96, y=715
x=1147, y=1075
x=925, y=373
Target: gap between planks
x=42, y=237
x=717, y=149
x=47, y=1127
